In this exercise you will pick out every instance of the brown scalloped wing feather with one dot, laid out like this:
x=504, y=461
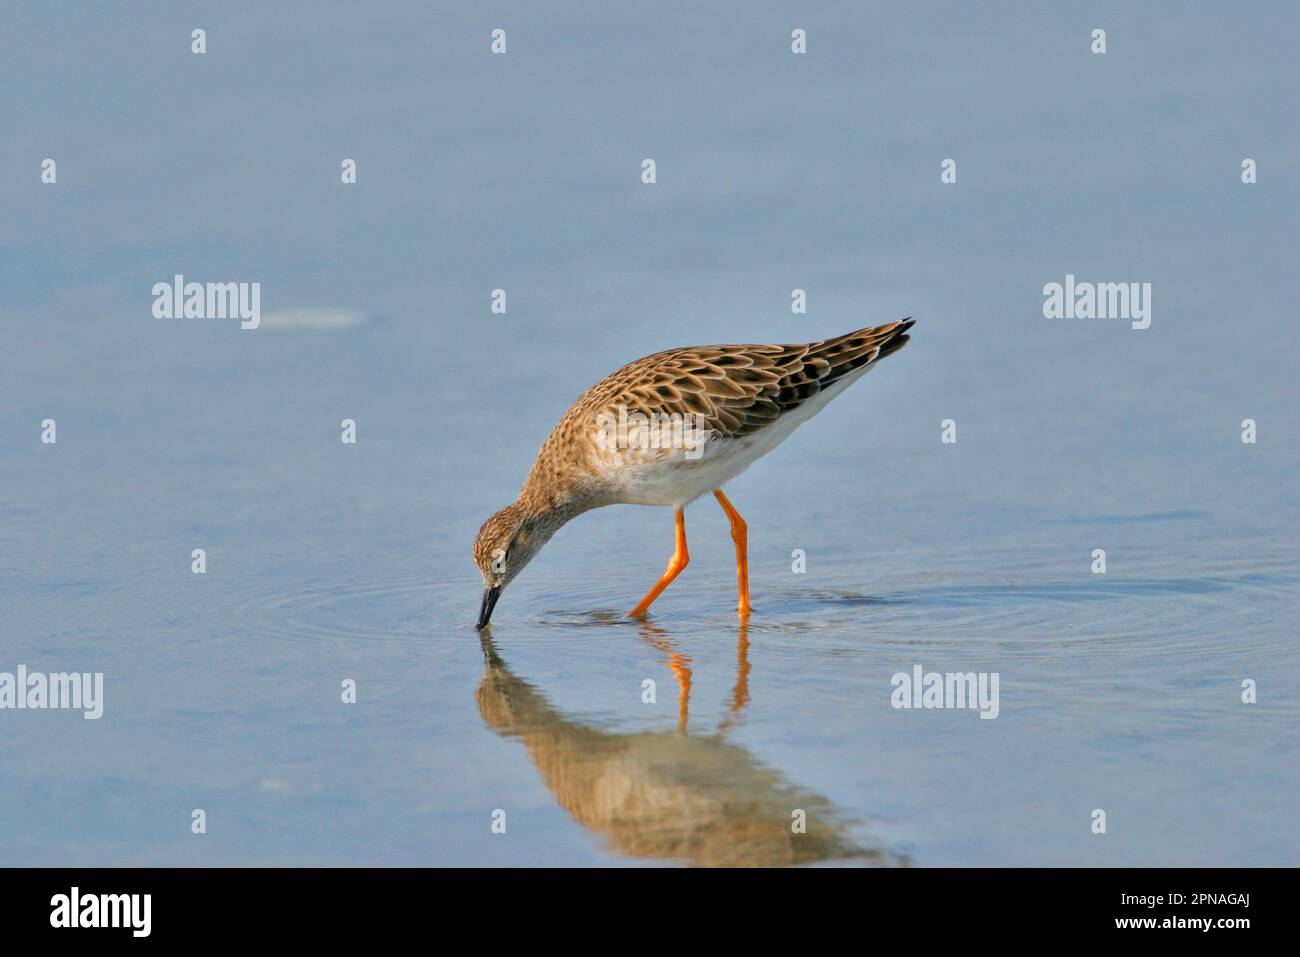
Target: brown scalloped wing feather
x=739, y=389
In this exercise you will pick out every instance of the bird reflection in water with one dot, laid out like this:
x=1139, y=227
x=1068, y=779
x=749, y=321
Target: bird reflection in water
x=698, y=800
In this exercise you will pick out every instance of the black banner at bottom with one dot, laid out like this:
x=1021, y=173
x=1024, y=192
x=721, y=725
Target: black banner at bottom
x=337, y=906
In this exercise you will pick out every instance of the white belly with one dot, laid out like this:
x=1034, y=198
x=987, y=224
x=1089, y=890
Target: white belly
x=673, y=477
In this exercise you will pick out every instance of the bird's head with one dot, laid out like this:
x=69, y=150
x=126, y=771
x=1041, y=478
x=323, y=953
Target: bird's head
x=505, y=544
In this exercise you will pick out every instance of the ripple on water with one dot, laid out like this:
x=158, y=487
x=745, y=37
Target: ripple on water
x=396, y=608
x=1095, y=637
x=1169, y=639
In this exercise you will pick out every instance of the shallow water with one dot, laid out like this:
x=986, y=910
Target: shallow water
x=328, y=561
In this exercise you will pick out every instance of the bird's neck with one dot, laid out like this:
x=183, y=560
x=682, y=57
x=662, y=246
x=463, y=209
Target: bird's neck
x=551, y=504
x=546, y=513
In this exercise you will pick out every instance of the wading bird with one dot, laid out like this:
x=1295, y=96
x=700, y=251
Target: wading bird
x=664, y=430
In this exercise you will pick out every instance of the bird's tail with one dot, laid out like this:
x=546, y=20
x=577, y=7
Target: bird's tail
x=853, y=350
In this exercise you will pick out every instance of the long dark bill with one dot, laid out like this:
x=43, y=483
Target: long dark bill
x=490, y=596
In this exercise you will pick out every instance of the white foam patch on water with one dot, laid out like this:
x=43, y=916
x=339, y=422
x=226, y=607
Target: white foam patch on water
x=312, y=317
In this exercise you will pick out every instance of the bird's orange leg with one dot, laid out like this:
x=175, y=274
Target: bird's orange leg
x=738, y=535
x=681, y=558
